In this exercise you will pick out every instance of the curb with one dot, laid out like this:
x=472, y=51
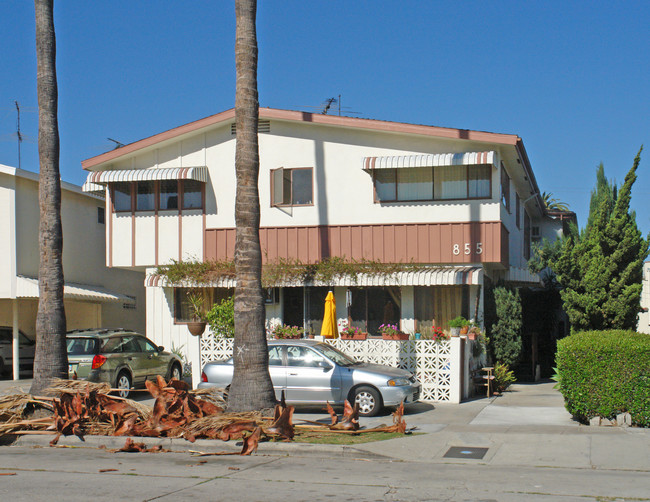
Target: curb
x=202, y=445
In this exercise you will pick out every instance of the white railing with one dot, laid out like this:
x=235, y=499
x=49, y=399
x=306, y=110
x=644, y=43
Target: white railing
x=437, y=365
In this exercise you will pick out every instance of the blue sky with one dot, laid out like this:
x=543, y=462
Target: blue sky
x=570, y=78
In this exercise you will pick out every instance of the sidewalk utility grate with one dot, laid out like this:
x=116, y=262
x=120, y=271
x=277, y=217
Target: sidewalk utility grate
x=466, y=452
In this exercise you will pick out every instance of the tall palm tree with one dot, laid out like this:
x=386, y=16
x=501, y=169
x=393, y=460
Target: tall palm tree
x=51, y=359
x=251, y=387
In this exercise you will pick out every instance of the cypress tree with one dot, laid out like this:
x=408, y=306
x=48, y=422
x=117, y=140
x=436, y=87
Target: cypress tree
x=601, y=270
x=505, y=336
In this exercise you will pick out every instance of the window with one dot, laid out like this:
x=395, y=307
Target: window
x=101, y=215
x=479, y=182
x=192, y=194
x=291, y=187
x=505, y=188
x=303, y=356
x=526, y=236
x=168, y=198
x=518, y=211
x=153, y=195
x=275, y=355
x=182, y=307
x=437, y=305
x=428, y=183
x=145, y=199
x=372, y=307
x=122, y=196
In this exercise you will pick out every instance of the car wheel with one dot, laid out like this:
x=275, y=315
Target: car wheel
x=369, y=401
x=123, y=384
x=176, y=373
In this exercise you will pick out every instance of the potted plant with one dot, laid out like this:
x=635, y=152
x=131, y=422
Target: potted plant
x=474, y=332
x=392, y=332
x=352, y=333
x=282, y=331
x=197, y=325
x=459, y=326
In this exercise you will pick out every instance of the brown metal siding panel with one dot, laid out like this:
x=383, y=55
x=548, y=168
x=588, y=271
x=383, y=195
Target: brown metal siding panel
x=422, y=243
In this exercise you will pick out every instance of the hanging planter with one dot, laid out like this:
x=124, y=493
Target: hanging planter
x=196, y=327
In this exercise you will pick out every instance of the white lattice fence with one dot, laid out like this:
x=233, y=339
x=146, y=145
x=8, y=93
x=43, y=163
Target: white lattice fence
x=430, y=361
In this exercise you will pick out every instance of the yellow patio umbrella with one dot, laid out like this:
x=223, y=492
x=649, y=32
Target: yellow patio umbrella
x=330, y=328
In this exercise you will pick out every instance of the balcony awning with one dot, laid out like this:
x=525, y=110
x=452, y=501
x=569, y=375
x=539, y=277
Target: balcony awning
x=425, y=276
x=96, y=180
x=430, y=160
x=27, y=287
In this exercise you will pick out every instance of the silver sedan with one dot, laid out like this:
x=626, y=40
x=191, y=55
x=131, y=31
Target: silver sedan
x=312, y=372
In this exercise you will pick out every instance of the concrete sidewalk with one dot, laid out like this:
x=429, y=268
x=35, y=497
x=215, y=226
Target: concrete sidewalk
x=527, y=426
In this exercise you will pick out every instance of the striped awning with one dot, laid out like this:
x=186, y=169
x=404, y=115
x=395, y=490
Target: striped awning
x=96, y=180
x=27, y=287
x=430, y=160
x=425, y=276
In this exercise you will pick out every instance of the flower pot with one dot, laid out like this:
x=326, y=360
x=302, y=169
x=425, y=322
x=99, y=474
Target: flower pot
x=359, y=336
x=454, y=331
x=397, y=336
x=464, y=330
x=472, y=336
x=196, y=327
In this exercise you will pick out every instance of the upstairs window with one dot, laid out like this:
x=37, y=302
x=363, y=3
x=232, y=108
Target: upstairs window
x=526, y=236
x=518, y=211
x=291, y=187
x=157, y=195
x=145, y=199
x=505, y=188
x=122, y=196
x=192, y=194
x=168, y=198
x=428, y=183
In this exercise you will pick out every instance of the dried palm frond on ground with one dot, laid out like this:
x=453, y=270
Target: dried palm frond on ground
x=82, y=408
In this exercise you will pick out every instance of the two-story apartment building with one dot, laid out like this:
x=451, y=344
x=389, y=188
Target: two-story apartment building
x=94, y=296
x=460, y=204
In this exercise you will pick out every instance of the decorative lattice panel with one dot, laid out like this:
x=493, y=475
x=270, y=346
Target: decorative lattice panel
x=430, y=361
x=215, y=349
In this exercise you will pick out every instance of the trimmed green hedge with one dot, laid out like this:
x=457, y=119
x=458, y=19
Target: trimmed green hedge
x=603, y=373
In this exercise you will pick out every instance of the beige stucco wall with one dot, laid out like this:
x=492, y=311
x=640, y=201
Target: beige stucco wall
x=83, y=256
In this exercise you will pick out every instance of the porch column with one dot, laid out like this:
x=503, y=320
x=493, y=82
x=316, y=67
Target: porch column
x=16, y=342
x=457, y=368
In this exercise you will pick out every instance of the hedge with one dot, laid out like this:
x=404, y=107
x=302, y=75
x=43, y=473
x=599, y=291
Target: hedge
x=604, y=373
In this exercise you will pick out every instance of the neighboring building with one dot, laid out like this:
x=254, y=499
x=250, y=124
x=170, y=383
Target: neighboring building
x=644, y=316
x=95, y=296
x=460, y=203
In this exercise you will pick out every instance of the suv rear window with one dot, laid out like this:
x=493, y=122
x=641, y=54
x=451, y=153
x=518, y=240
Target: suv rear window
x=82, y=346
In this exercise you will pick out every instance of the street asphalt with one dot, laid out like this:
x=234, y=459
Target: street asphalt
x=522, y=446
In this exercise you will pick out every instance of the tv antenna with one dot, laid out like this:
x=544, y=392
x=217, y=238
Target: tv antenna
x=18, y=135
x=118, y=144
x=327, y=105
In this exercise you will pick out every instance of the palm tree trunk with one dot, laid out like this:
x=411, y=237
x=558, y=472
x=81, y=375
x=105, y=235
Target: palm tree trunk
x=51, y=359
x=251, y=387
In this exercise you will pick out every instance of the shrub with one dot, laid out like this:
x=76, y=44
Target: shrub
x=603, y=373
x=503, y=377
x=221, y=318
x=505, y=334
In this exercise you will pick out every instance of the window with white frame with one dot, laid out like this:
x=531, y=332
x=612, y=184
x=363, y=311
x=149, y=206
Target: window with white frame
x=505, y=188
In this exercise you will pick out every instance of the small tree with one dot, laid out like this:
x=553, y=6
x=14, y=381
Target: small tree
x=505, y=336
x=601, y=270
x=221, y=318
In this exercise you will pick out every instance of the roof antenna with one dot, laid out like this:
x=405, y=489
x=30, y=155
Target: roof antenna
x=18, y=135
x=117, y=143
x=328, y=104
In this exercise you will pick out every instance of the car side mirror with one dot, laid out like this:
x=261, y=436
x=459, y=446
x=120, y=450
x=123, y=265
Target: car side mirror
x=160, y=348
x=325, y=365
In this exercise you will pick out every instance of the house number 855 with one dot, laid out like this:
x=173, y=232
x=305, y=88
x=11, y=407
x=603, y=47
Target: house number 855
x=467, y=249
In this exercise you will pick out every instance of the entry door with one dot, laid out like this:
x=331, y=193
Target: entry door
x=293, y=306
x=307, y=380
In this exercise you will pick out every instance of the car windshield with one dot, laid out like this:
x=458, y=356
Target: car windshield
x=335, y=355
x=82, y=346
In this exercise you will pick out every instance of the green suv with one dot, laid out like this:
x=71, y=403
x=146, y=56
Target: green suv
x=121, y=358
